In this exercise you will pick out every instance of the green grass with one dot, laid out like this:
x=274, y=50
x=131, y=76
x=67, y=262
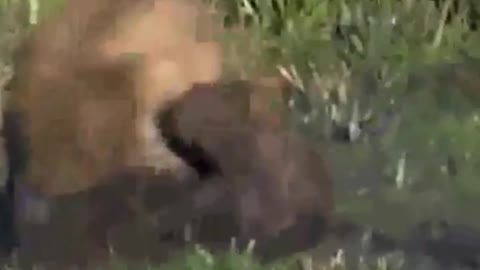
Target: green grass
x=200, y=259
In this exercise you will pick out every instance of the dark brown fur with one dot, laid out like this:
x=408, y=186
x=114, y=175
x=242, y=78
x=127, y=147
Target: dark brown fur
x=85, y=108
x=278, y=181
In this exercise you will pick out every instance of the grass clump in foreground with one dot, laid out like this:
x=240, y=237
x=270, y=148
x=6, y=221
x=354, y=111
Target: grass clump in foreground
x=200, y=259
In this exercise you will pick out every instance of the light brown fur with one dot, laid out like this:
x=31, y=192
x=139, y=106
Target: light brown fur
x=87, y=91
x=88, y=106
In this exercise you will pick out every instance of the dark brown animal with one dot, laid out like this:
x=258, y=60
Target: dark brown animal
x=278, y=183
x=86, y=110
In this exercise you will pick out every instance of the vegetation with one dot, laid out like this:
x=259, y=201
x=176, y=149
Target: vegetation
x=411, y=65
x=407, y=65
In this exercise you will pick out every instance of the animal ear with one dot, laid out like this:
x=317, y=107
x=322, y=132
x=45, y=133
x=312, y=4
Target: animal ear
x=206, y=62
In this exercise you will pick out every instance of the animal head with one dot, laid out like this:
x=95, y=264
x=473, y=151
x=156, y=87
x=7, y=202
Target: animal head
x=170, y=39
x=275, y=175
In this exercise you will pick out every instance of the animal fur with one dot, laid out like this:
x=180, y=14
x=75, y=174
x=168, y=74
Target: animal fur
x=84, y=96
x=87, y=91
x=277, y=179
x=88, y=106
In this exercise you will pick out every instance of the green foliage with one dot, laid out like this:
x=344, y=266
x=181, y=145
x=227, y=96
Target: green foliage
x=200, y=259
x=400, y=51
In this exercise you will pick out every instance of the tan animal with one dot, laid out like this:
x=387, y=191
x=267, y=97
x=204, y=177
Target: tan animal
x=85, y=95
x=88, y=106
x=89, y=83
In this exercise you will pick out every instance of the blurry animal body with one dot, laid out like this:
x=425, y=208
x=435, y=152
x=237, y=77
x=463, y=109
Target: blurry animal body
x=85, y=110
x=278, y=181
x=87, y=105
x=87, y=91
x=260, y=99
